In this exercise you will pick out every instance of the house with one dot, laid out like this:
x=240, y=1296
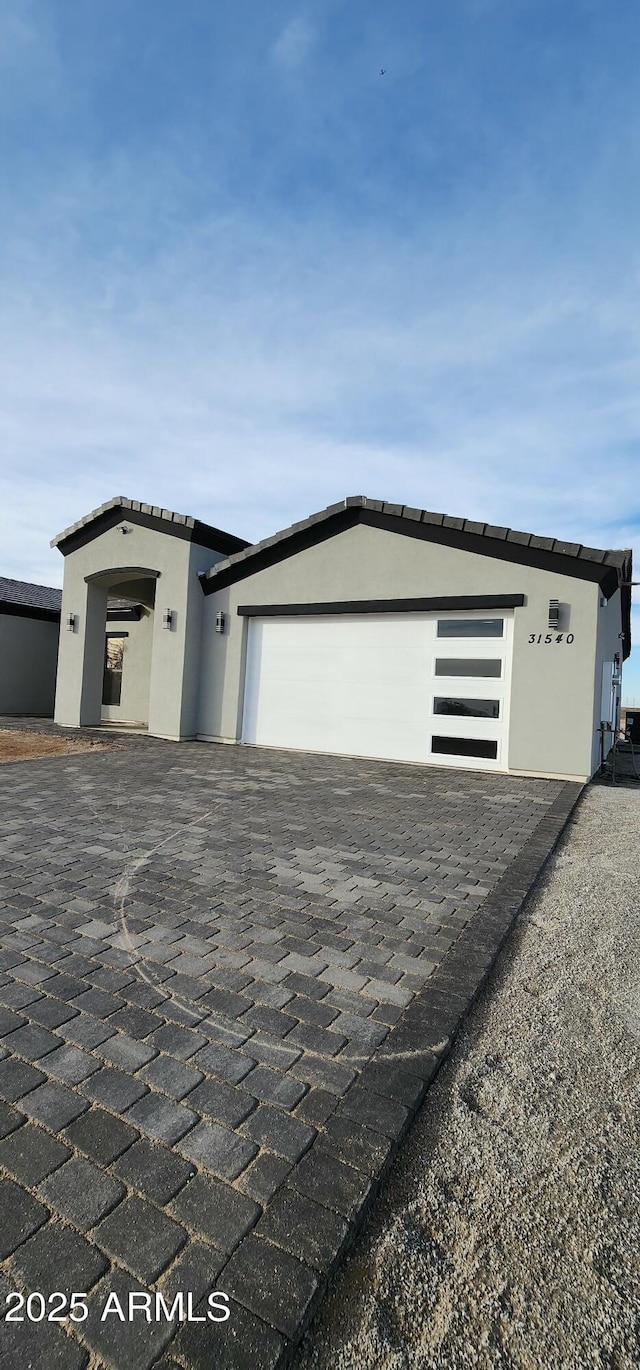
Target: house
x=29, y=630
x=369, y=629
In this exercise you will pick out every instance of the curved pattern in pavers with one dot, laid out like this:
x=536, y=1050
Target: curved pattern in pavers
x=227, y=978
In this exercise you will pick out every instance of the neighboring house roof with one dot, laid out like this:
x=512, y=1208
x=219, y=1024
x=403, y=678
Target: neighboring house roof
x=609, y=568
x=23, y=598
x=24, y=592
x=115, y=510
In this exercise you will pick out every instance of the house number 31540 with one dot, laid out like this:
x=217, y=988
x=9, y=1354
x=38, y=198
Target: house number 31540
x=551, y=637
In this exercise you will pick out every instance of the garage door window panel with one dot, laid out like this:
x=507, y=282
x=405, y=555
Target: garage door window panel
x=478, y=667
x=470, y=627
x=466, y=708
x=465, y=746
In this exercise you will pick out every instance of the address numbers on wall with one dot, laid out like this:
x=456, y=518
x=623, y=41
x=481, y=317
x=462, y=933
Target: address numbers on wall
x=551, y=637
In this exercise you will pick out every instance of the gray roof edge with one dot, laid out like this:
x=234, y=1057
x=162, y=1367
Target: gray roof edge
x=117, y=500
x=577, y=551
x=618, y=556
x=122, y=501
x=285, y=533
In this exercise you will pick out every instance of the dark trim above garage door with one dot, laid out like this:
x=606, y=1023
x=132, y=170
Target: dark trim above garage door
x=383, y=606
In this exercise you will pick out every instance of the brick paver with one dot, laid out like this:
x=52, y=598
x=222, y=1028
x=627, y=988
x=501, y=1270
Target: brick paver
x=227, y=978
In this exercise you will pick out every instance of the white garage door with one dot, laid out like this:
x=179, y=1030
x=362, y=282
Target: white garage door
x=406, y=687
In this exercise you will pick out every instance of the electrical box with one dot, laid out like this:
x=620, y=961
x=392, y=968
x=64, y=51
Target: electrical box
x=610, y=704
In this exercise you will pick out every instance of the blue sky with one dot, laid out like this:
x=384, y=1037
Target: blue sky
x=242, y=274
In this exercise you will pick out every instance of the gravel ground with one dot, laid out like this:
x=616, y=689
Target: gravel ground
x=29, y=745
x=509, y=1233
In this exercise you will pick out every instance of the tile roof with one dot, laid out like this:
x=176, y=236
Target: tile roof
x=31, y=596
x=121, y=501
x=184, y=522
x=617, y=558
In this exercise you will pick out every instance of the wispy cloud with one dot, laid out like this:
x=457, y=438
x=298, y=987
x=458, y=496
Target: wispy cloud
x=294, y=43
x=20, y=32
x=29, y=62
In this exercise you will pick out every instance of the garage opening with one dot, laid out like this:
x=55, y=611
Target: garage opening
x=378, y=685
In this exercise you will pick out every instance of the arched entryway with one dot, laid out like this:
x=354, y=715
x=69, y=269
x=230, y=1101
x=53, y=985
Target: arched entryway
x=125, y=600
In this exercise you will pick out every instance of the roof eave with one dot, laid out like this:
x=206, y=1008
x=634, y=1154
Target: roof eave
x=573, y=559
x=153, y=516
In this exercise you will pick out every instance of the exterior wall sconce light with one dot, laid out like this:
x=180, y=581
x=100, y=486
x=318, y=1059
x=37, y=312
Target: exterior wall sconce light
x=554, y=614
x=167, y=619
x=221, y=621
x=72, y=620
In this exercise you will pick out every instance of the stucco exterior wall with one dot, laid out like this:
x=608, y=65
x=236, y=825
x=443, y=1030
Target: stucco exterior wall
x=201, y=558
x=552, y=699
x=174, y=652
x=28, y=656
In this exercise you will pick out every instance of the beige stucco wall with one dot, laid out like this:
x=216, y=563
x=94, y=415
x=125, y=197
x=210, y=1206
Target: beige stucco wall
x=174, y=652
x=552, y=701
x=28, y=656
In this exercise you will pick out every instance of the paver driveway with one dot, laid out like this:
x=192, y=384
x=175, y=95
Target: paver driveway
x=226, y=979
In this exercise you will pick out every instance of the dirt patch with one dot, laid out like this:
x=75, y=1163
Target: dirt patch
x=17, y=746
x=508, y=1234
